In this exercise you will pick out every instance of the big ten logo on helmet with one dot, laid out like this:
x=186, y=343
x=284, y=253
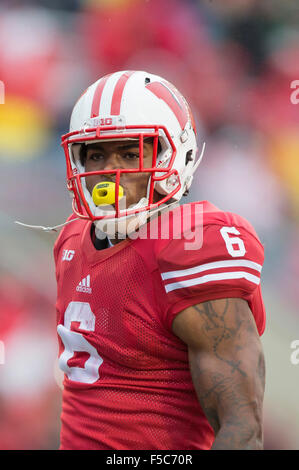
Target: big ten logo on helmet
x=2, y=353
x=295, y=94
x=102, y=121
x=68, y=255
x=2, y=93
x=294, y=358
x=118, y=121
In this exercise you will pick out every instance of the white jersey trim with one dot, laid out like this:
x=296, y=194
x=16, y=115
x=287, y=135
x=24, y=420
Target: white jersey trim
x=214, y=265
x=212, y=277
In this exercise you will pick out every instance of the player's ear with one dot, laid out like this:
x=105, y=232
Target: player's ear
x=189, y=157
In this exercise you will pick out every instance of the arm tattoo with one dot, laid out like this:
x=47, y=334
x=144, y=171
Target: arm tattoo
x=216, y=328
x=234, y=415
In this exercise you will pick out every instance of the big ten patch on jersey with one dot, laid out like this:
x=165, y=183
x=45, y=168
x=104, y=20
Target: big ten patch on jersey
x=68, y=255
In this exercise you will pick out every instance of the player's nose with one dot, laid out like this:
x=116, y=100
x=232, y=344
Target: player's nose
x=112, y=162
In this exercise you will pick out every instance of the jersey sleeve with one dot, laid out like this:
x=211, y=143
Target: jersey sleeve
x=66, y=232
x=228, y=264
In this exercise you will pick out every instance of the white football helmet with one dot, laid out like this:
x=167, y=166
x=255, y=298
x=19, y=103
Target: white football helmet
x=133, y=105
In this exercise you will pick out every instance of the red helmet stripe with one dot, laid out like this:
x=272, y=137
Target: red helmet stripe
x=172, y=99
x=95, y=108
x=118, y=93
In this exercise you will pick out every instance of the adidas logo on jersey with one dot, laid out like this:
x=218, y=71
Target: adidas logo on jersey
x=84, y=285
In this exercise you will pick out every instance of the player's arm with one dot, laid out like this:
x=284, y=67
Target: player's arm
x=227, y=367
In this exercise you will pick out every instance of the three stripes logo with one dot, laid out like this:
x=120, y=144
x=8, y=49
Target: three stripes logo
x=84, y=285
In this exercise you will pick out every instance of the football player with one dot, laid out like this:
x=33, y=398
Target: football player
x=159, y=305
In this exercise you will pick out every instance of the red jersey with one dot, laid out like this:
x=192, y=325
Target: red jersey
x=127, y=380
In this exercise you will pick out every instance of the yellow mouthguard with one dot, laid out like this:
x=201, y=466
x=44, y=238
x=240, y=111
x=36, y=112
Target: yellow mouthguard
x=104, y=193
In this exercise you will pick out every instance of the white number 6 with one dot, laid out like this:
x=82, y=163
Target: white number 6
x=73, y=341
x=230, y=241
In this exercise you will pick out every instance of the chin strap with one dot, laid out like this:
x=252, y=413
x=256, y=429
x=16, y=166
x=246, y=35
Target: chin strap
x=54, y=229
x=46, y=229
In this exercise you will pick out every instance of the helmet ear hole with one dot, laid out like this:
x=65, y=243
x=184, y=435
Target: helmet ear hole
x=189, y=157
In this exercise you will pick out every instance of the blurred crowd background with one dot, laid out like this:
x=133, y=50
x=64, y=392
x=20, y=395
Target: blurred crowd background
x=235, y=61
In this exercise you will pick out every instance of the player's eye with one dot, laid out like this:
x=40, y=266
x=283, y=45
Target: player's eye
x=95, y=157
x=131, y=155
